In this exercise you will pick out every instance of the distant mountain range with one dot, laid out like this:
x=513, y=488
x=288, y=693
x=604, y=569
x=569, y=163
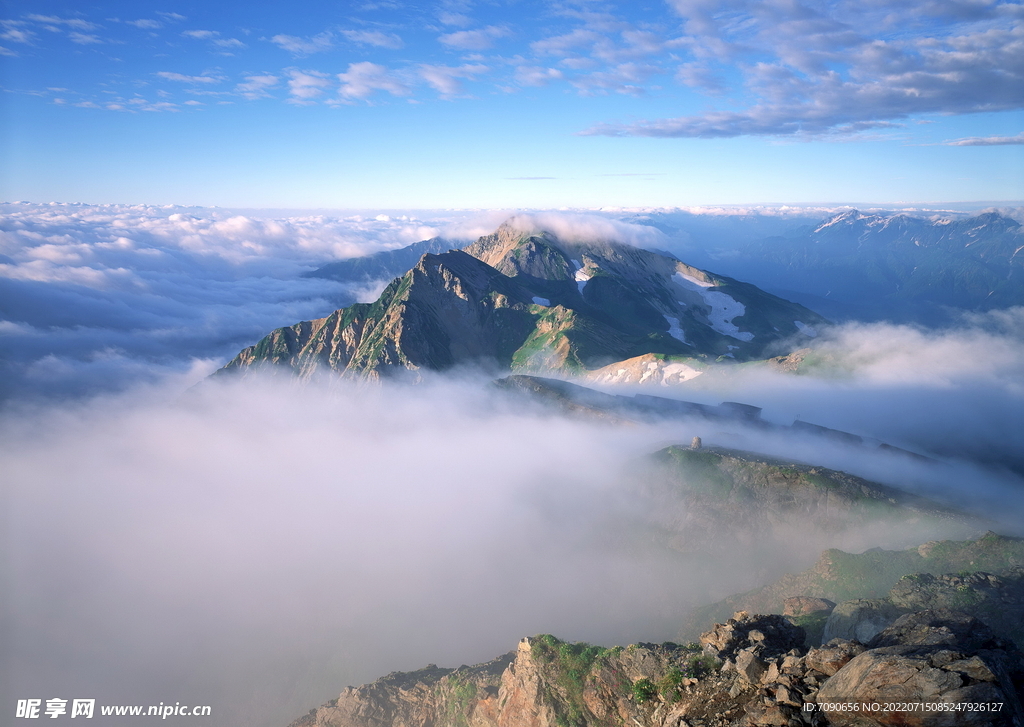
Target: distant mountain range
x=528, y=301
x=872, y=266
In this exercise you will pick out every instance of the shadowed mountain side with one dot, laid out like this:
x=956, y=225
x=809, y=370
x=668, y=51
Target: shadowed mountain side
x=383, y=265
x=704, y=498
x=582, y=401
x=522, y=301
x=839, y=576
x=895, y=267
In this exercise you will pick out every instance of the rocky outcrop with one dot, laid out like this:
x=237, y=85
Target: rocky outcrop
x=998, y=601
x=751, y=671
x=760, y=501
x=928, y=669
x=860, y=619
x=544, y=683
x=839, y=576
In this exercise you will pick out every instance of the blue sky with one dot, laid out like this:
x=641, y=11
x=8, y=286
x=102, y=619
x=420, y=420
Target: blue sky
x=513, y=104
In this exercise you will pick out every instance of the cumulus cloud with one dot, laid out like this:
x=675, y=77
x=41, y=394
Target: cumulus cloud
x=305, y=86
x=481, y=39
x=304, y=46
x=627, y=78
x=105, y=288
x=581, y=227
x=445, y=79
x=374, y=38
x=814, y=70
x=536, y=75
x=364, y=79
x=254, y=87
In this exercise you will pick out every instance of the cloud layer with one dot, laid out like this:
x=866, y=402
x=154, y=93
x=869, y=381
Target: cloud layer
x=258, y=545
x=102, y=296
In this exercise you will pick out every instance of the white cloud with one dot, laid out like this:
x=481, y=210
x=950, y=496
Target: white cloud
x=812, y=70
x=145, y=23
x=481, y=39
x=567, y=43
x=988, y=140
x=304, y=86
x=626, y=78
x=256, y=86
x=204, y=79
x=445, y=79
x=375, y=38
x=200, y=34
x=85, y=38
x=17, y=35
x=363, y=79
x=228, y=43
x=213, y=36
x=78, y=23
x=536, y=75
x=163, y=284
x=304, y=46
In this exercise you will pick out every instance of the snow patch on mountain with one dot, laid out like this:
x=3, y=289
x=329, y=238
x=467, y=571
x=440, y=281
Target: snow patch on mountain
x=675, y=331
x=723, y=307
x=806, y=329
x=581, y=278
x=688, y=281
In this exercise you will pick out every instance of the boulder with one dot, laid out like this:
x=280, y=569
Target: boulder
x=749, y=666
x=804, y=605
x=939, y=627
x=928, y=659
x=833, y=656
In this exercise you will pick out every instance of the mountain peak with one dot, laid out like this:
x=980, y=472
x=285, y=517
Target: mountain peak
x=522, y=299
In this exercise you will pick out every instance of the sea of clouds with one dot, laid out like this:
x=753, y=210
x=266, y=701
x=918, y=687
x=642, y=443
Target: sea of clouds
x=257, y=545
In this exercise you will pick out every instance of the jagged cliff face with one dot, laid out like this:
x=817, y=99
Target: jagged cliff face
x=525, y=301
x=751, y=671
x=544, y=683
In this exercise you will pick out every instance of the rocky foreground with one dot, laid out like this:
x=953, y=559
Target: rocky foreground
x=936, y=651
x=934, y=667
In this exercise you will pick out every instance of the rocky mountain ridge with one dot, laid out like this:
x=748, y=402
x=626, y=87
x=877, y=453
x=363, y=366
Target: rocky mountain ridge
x=527, y=301
x=894, y=266
x=922, y=576
x=751, y=671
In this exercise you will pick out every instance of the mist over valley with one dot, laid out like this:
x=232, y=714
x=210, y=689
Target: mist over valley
x=407, y=478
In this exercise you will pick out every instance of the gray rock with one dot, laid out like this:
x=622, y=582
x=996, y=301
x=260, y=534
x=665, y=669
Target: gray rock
x=938, y=627
x=768, y=636
x=927, y=658
x=833, y=656
x=749, y=667
x=860, y=619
